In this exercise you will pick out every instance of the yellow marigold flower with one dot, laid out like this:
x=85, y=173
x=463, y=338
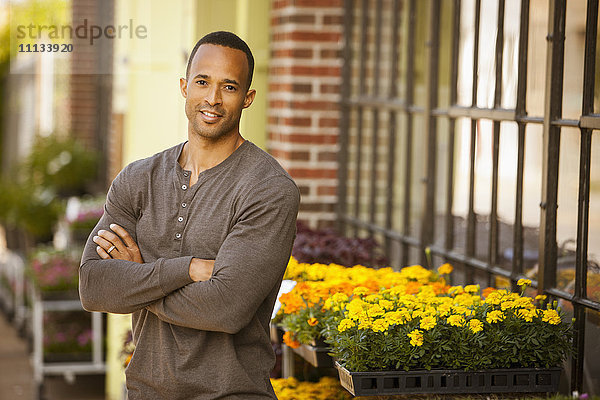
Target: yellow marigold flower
x=372, y=298
x=526, y=314
x=472, y=288
x=365, y=323
x=455, y=290
x=460, y=310
x=360, y=291
x=524, y=282
x=541, y=297
x=427, y=323
x=406, y=315
x=445, y=269
x=386, y=304
x=456, y=320
x=380, y=325
x=345, y=324
x=475, y=325
x=416, y=338
x=507, y=304
x=465, y=299
x=375, y=311
x=551, y=317
x=444, y=309
x=493, y=299
x=394, y=317
x=524, y=302
x=339, y=297
x=494, y=316
x=312, y=321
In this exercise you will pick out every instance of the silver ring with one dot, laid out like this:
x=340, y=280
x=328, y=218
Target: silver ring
x=111, y=249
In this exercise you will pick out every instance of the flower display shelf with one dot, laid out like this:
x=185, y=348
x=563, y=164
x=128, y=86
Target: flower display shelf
x=518, y=380
x=316, y=353
x=42, y=366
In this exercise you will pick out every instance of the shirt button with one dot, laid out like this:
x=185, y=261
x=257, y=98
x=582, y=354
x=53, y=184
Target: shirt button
x=186, y=174
x=178, y=235
x=184, y=205
x=180, y=219
x=184, y=187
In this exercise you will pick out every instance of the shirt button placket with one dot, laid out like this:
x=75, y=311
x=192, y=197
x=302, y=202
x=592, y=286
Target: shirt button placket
x=183, y=210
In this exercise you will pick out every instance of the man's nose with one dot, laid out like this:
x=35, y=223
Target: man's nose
x=213, y=97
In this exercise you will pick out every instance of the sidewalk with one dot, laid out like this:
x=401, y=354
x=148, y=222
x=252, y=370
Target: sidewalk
x=16, y=374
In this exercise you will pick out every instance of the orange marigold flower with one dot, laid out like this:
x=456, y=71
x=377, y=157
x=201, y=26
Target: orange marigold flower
x=486, y=292
x=290, y=340
x=313, y=321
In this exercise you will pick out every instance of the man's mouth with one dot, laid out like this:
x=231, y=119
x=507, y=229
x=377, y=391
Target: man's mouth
x=209, y=117
x=210, y=114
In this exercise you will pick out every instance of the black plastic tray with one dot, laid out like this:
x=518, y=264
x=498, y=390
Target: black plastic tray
x=519, y=380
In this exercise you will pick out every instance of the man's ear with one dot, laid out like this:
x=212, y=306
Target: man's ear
x=249, y=98
x=183, y=87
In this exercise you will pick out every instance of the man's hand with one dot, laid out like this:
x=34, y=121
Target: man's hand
x=201, y=270
x=111, y=245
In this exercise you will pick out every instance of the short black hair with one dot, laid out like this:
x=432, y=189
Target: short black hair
x=225, y=39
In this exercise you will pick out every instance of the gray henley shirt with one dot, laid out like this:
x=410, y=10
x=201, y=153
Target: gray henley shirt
x=197, y=340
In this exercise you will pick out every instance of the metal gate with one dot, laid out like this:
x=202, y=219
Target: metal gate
x=453, y=122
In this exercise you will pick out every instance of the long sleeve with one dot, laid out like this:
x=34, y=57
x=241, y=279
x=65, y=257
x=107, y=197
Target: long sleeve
x=248, y=267
x=120, y=286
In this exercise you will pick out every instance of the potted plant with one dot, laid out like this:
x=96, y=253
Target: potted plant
x=305, y=308
x=462, y=341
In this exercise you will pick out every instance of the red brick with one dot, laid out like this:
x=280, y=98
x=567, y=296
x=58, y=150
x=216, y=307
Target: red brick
x=329, y=122
x=315, y=71
x=333, y=20
x=302, y=88
x=328, y=156
x=301, y=138
x=292, y=53
x=313, y=173
x=331, y=53
x=328, y=88
x=314, y=105
x=318, y=3
x=317, y=207
x=294, y=19
x=304, y=190
x=278, y=4
x=297, y=121
x=291, y=155
x=327, y=190
x=306, y=36
x=279, y=104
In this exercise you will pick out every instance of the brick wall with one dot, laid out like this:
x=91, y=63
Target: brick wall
x=91, y=81
x=304, y=96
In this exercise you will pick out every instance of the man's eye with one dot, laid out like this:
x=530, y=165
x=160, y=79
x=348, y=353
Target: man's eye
x=231, y=88
x=201, y=82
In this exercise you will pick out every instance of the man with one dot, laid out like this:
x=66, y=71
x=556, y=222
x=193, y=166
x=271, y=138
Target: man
x=214, y=202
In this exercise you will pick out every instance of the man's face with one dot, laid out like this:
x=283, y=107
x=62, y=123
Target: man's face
x=215, y=91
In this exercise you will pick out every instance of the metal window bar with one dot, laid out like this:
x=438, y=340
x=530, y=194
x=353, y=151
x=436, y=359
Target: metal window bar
x=552, y=122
